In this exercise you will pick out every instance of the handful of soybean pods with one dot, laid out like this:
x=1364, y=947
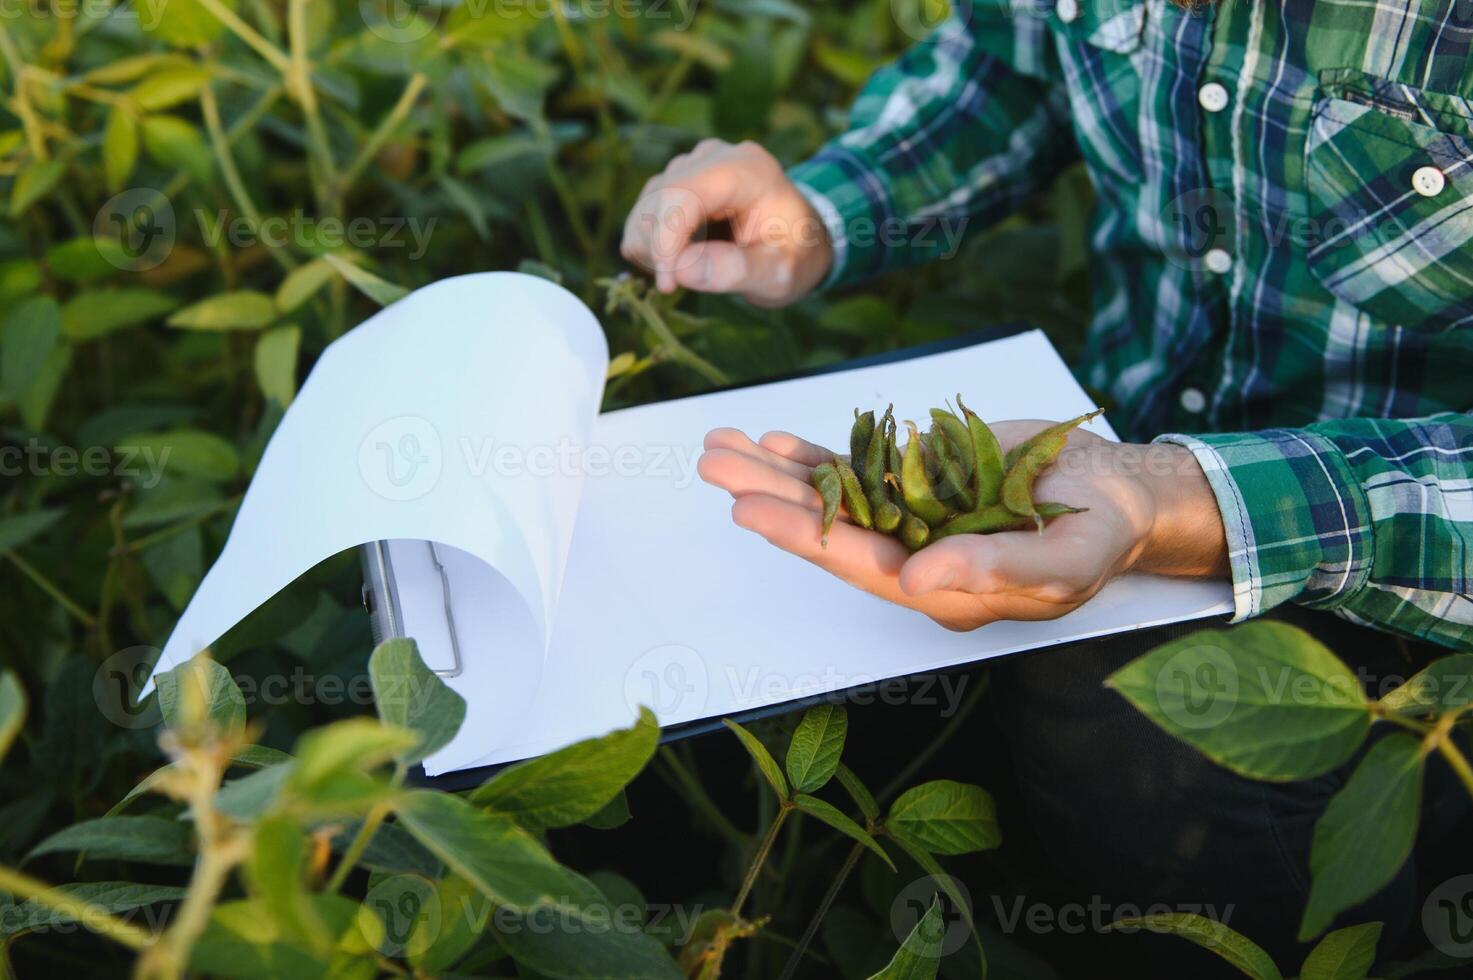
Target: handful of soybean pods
x=953, y=479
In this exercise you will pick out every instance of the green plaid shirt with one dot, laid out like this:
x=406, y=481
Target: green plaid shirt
x=1282, y=255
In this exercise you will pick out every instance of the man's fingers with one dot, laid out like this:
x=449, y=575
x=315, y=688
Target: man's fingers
x=793, y=447
x=736, y=439
x=661, y=224
x=739, y=475
x=1052, y=566
x=865, y=559
x=758, y=272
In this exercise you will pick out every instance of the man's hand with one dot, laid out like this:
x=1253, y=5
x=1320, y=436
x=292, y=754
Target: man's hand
x=1150, y=509
x=779, y=249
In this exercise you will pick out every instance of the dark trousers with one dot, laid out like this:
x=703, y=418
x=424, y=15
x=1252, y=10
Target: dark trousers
x=1133, y=818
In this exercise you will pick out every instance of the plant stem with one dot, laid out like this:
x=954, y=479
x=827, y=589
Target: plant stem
x=850, y=863
x=686, y=781
x=383, y=132
x=1450, y=751
x=92, y=917
x=148, y=540
x=35, y=135
x=52, y=589
x=952, y=726
x=355, y=850
x=248, y=34
x=760, y=858
x=299, y=84
x=668, y=340
x=210, y=109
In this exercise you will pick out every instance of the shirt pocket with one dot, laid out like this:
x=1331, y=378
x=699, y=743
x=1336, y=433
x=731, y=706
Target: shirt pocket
x=1389, y=186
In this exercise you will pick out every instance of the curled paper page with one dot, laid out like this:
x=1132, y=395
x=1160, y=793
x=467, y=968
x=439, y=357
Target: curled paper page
x=442, y=418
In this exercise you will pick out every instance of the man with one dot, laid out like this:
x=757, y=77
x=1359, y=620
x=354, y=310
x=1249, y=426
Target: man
x=1282, y=257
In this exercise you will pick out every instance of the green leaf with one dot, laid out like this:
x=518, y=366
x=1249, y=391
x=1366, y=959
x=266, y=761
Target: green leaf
x=174, y=142
x=354, y=745
x=953, y=891
x=381, y=291
x=168, y=87
x=247, y=798
x=920, y=955
x=16, y=531
x=478, y=25
x=190, y=452
x=85, y=257
x=201, y=690
x=34, y=183
x=243, y=939
x=116, y=897
x=12, y=710
x=96, y=313
x=241, y=309
x=249, y=757
x=439, y=942
x=1366, y=833
x=817, y=743
x=35, y=403
x=1237, y=949
x=815, y=807
x=276, y=363
x=32, y=331
x=600, y=946
x=276, y=873
x=1345, y=954
x=573, y=783
x=302, y=283
x=412, y=696
x=119, y=147
x=501, y=859
x=184, y=23
x=945, y=817
x=176, y=565
x=1264, y=699
x=615, y=813
x=497, y=150
x=1444, y=685
x=765, y=762
x=149, y=840
x=858, y=793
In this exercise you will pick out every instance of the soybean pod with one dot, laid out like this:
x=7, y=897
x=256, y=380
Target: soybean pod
x=859, y=440
x=987, y=458
x=831, y=491
x=1016, y=453
x=996, y=517
x=914, y=533
x=1017, y=485
x=853, y=494
x=953, y=472
x=915, y=484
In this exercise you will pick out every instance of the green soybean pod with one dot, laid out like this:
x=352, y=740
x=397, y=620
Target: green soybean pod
x=957, y=432
x=953, y=472
x=859, y=440
x=887, y=516
x=873, y=474
x=892, y=451
x=853, y=493
x=915, y=484
x=1016, y=453
x=993, y=518
x=1017, y=485
x=831, y=491
x=914, y=533
x=987, y=457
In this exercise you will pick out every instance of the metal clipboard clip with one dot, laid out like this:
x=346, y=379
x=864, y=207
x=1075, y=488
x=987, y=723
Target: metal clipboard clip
x=381, y=599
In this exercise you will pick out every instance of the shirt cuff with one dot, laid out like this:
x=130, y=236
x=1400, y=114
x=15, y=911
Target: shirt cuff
x=851, y=201
x=1297, y=519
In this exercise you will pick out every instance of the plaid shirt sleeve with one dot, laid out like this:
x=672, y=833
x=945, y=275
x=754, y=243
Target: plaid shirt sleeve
x=951, y=136
x=1372, y=518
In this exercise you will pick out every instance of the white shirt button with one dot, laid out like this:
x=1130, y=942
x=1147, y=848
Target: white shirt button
x=1428, y=181
x=1067, y=10
x=1193, y=400
x=1213, y=96
x=1218, y=260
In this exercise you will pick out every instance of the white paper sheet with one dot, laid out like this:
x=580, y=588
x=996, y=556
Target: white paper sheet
x=668, y=603
x=404, y=429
